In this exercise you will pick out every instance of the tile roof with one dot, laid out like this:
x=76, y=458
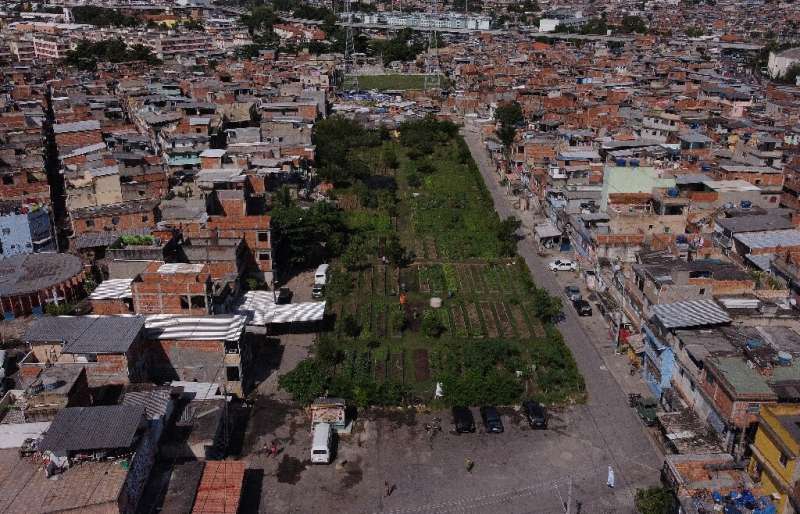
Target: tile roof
x=87, y=334
x=103, y=427
x=220, y=488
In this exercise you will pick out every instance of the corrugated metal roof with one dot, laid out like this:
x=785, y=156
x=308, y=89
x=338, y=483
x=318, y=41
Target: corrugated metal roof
x=76, y=126
x=103, y=427
x=113, y=289
x=690, y=314
x=260, y=309
x=189, y=328
x=155, y=401
x=769, y=238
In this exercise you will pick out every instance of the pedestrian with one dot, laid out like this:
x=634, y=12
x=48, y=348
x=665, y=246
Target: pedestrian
x=273, y=450
x=387, y=488
x=469, y=464
x=610, y=479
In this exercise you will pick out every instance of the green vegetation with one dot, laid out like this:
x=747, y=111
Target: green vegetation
x=406, y=45
x=135, y=240
x=508, y=115
x=694, y=31
x=633, y=24
x=656, y=500
x=396, y=81
x=491, y=341
x=87, y=54
x=103, y=17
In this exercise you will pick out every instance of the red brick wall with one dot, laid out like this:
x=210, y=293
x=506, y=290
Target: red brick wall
x=125, y=222
x=105, y=307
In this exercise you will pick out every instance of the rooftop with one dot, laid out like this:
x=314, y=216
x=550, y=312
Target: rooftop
x=105, y=427
x=24, y=274
x=87, y=334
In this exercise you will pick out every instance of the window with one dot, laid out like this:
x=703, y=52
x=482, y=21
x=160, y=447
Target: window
x=8, y=180
x=264, y=256
x=6, y=231
x=145, y=218
x=184, y=302
x=263, y=237
x=710, y=379
x=666, y=230
x=773, y=199
x=115, y=220
x=784, y=460
x=198, y=301
x=89, y=223
x=232, y=373
x=702, y=290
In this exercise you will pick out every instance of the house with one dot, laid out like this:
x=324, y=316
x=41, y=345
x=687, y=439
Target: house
x=96, y=459
x=110, y=348
x=212, y=349
x=173, y=289
x=29, y=282
x=776, y=455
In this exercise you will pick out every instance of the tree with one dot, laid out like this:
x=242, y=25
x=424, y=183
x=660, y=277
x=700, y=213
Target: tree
x=431, y=325
x=631, y=24
x=694, y=31
x=307, y=381
x=545, y=307
x=508, y=115
x=655, y=500
x=507, y=234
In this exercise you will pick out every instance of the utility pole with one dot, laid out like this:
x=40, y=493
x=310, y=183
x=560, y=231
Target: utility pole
x=349, y=48
x=432, y=71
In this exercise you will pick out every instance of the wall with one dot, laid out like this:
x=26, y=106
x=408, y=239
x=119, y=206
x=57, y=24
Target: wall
x=15, y=235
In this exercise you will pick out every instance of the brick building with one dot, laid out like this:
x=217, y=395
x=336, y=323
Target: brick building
x=183, y=289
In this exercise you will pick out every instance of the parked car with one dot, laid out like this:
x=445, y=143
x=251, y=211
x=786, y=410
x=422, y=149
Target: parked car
x=562, y=265
x=318, y=291
x=582, y=307
x=535, y=413
x=284, y=295
x=573, y=293
x=463, y=420
x=491, y=420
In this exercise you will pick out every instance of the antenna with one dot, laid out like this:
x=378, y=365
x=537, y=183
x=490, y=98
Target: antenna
x=432, y=71
x=349, y=48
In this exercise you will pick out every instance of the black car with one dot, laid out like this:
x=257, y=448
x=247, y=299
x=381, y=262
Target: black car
x=463, y=420
x=491, y=420
x=284, y=295
x=535, y=413
x=582, y=307
x=318, y=291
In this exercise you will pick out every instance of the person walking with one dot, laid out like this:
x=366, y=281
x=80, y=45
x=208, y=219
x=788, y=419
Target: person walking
x=469, y=464
x=610, y=479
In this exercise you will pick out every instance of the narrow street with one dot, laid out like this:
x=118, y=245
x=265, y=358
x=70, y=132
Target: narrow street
x=631, y=452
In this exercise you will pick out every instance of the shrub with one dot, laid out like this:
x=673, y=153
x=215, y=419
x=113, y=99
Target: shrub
x=431, y=323
x=655, y=500
x=305, y=382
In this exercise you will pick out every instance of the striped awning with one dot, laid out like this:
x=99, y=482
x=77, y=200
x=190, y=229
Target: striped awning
x=195, y=328
x=692, y=313
x=113, y=289
x=260, y=309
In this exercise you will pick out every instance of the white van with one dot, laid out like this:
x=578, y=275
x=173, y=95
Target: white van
x=321, y=443
x=321, y=275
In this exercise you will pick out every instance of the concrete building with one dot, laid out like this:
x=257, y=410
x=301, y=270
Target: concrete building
x=779, y=63
x=25, y=229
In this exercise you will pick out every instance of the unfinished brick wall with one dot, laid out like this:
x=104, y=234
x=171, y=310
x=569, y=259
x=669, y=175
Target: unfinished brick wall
x=158, y=293
x=106, y=222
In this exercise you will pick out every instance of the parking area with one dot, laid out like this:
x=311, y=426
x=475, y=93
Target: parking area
x=521, y=470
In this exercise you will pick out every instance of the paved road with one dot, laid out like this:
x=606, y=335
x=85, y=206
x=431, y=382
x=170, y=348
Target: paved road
x=618, y=428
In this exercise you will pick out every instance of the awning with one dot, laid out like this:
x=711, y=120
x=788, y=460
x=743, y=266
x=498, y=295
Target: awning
x=546, y=230
x=260, y=309
x=113, y=289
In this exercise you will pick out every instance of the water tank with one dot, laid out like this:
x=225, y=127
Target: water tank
x=673, y=192
x=705, y=167
x=436, y=302
x=753, y=343
x=620, y=162
x=634, y=163
x=784, y=358
x=746, y=204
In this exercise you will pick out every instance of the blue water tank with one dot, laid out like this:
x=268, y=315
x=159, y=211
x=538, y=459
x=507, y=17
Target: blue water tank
x=634, y=163
x=705, y=167
x=673, y=192
x=746, y=204
x=620, y=162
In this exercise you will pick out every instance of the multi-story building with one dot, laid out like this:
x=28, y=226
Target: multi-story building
x=25, y=229
x=775, y=463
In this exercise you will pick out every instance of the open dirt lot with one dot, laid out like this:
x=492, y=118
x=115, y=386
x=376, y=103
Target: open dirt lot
x=521, y=470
